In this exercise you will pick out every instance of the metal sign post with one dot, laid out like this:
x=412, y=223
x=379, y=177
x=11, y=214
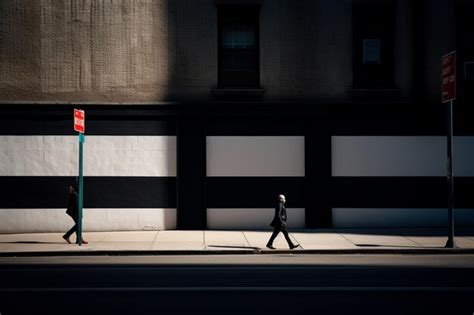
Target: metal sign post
x=79, y=126
x=81, y=189
x=448, y=94
x=450, y=243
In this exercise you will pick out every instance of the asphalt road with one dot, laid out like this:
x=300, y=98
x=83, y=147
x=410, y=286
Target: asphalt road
x=249, y=284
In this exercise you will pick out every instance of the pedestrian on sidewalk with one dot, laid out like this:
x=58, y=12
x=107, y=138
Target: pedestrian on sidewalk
x=73, y=211
x=279, y=223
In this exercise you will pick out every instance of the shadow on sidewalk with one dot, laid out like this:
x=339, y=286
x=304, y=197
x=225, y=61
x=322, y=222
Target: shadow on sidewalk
x=232, y=246
x=32, y=242
x=394, y=246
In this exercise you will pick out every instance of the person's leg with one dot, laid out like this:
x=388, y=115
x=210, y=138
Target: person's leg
x=287, y=237
x=77, y=240
x=272, y=238
x=69, y=233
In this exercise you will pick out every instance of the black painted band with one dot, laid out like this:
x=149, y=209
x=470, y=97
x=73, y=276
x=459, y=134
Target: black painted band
x=253, y=192
x=99, y=192
x=399, y=192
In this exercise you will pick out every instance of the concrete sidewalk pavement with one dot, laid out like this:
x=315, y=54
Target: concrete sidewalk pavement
x=233, y=242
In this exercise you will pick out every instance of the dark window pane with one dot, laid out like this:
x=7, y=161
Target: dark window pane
x=371, y=51
x=238, y=36
x=238, y=47
x=373, y=27
x=238, y=60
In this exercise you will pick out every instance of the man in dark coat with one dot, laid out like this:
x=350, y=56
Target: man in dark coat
x=279, y=223
x=73, y=211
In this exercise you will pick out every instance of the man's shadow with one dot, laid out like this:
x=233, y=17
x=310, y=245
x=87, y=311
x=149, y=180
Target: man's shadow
x=32, y=242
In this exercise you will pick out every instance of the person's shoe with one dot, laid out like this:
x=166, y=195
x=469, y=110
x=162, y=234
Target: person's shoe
x=270, y=246
x=294, y=246
x=67, y=239
x=83, y=242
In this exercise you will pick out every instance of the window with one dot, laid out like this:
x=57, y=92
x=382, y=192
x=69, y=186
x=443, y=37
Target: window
x=371, y=51
x=373, y=43
x=238, y=47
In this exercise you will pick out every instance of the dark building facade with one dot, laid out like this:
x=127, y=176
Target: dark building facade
x=199, y=113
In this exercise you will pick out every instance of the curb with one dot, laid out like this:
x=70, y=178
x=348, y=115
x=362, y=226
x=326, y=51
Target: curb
x=360, y=251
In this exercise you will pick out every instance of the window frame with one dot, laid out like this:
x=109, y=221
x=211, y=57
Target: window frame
x=382, y=14
x=226, y=13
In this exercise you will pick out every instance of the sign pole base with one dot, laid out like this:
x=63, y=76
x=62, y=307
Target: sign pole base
x=451, y=244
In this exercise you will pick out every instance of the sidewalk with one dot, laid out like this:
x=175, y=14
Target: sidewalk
x=355, y=241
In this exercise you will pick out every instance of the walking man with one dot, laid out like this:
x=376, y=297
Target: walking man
x=73, y=211
x=279, y=223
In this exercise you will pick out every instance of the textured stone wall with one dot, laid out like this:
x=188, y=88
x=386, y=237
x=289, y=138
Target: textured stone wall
x=84, y=50
x=306, y=49
x=20, y=49
x=163, y=50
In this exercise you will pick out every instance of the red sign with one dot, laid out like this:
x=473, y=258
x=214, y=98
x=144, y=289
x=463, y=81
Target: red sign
x=79, y=120
x=448, y=77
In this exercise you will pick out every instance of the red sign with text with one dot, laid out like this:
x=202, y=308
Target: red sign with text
x=79, y=120
x=448, y=77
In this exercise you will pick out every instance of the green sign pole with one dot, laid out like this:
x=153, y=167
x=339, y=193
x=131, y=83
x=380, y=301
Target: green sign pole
x=81, y=189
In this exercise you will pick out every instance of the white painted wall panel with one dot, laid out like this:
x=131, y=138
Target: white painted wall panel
x=393, y=217
x=255, y=156
x=56, y=220
x=103, y=156
x=399, y=156
x=250, y=219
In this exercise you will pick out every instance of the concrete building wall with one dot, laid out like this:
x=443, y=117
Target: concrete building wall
x=440, y=39
x=148, y=51
x=161, y=50
x=53, y=158
x=254, y=157
x=103, y=156
x=94, y=220
x=251, y=219
x=399, y=217
x=306, y=49
x=86, y=50
x=404, y=52
x=400, y=156
x=194, y=48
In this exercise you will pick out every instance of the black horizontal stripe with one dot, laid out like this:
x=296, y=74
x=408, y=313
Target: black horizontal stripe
x=100, y=120
x=373, y=119
x=399, y=192
x=99, y=192
x=364, y=192
x=290, y=118
x=236, y=192
x=253, y=192
x=255, y=126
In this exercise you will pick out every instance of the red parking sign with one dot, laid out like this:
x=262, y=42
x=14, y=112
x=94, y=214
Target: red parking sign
x=448, y=77
x=79, y=120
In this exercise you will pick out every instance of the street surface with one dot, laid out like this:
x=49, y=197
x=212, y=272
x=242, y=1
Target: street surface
x=247, y=284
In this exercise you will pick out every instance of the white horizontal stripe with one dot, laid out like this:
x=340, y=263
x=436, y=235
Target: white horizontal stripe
x=400, y=156
x=95, y=220
x=257, y=218
x=394, y=217
x=255, y=156
x=103, y=156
